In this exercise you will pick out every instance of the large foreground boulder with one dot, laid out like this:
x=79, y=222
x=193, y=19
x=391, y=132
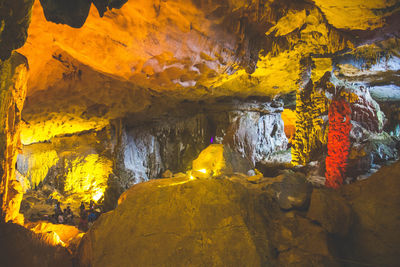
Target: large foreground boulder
x=374, y=237
x=239, y=221
x=204, y=222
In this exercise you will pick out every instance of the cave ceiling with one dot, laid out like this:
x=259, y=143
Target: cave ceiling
x=92, y=64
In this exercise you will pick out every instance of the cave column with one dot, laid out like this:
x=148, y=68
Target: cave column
x=338, y=142
x=13, y=86
x=311, y=111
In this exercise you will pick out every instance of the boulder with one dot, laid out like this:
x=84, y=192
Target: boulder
x=163, y=222
x=202, y=222
x=218, y=159
x=330, y=210
x=292, y=192
x=167, y=174
x=375, y=234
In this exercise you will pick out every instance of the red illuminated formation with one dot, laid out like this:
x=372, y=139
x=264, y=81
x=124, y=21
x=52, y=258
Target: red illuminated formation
x=338, y=142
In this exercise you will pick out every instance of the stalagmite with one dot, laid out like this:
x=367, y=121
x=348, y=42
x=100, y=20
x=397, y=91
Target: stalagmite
x=338, y=142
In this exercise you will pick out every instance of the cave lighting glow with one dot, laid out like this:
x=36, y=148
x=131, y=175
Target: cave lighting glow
x=202, y=170
x=87, y=177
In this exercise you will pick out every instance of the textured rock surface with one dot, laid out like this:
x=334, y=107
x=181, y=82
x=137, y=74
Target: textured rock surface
x=336, y=162
x=13, y=77
x=375, y=233
x=21, y=247
x=66, y=234
x=331, y=211
x=293, y=192
x=15, y=19
x=70, y=169
x=201, y=222
x=234, y=221
x=119, y=64
x=311, y=118
x=216, y=160
x=122, y=154
x=252, y=128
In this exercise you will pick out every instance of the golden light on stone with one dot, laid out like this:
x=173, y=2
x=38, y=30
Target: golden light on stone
x=289, y=121
x=87, y=177
x=202, y=170
x=210, y=162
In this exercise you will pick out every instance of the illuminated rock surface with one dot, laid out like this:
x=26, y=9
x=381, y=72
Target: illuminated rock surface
x=252, y=128
x=121, y=91
x=206, y=222
x=216, y=160
x=178, y=50
x=233, y=222
x=12, y=95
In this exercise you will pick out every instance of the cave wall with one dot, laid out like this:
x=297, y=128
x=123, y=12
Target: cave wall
x=369, y=146
x=230, y=48
x=76, y=165
x=255, y=129
x=15, y=19
x=311, y=112
x=128, y=152
x=13, y=78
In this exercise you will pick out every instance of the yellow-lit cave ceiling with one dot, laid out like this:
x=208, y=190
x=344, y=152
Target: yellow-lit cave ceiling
x=80, y=78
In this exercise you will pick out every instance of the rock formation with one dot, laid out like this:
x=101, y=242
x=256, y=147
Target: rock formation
x=120, y=93
x=235, y=221
x=12, y=94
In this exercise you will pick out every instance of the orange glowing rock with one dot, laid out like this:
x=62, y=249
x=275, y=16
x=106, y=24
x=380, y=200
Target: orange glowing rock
x=289, y=121
x=55, y=234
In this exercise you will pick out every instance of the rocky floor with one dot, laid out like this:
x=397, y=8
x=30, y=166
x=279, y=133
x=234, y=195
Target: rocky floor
x=39, y=204
x=233, y=220
x=250, y=221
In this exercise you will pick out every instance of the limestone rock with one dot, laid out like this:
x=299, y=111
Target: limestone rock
x=251, y=127
x=176, y=51
x=13, y=86
x=217, y=160
x=73, y=13
x=292, y=192
x=331, y=210
x=377, y=148
x=64, y=233
x=167, y=174
x=16, y=17
x=22, y=247
x=15, y=194
x=375, y=234
x=209, y=222
x=205, y=222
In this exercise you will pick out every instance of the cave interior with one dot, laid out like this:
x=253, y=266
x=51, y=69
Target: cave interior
x=200, y=133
